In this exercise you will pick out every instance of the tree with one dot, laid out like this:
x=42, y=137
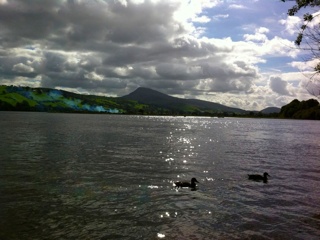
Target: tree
x=307, y=18
x=309, y=109
x=308, y=38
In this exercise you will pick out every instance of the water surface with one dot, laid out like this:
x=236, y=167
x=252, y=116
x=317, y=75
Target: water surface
x=78, y=176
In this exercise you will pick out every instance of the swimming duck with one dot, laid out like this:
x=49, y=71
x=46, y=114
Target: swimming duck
x=187, y=184
x=257, y=177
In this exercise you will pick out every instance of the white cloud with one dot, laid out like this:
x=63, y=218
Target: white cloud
x=262, y=30
x=193, y=8
x=220, y=17
x=263, y=46
x=201, y=19
x=280, y=47
x=315, y=21
x=292, y=24
x=305, y=65
x=123, y=2
x=22, y=68
x=237, y=6
x=259, y=37
x=94, y=76
x=122, y=71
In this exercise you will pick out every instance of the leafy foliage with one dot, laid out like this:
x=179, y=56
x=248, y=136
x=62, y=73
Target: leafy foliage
x=307, y=18
x=309, y=109
x=308, y=38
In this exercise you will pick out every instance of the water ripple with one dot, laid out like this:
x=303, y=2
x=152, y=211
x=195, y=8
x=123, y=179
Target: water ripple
x=111, y=177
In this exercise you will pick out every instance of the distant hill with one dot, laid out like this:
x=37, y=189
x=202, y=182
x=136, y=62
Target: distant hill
x=155, y=98
x=142, y=101
x=270, y=110
x=14, y=98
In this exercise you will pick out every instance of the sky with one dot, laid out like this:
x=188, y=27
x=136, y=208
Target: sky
x=239, y=53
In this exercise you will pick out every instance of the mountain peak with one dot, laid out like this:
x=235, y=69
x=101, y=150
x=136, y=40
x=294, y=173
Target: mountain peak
x=144, y=90
x=147, y=95
x=153, y=97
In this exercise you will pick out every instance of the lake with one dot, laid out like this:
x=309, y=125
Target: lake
x=96, y=176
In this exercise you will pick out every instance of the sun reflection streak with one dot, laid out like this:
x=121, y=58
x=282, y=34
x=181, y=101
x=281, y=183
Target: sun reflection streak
x=160, y=235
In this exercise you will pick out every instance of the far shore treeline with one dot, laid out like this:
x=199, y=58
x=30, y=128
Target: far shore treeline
x=143, y=101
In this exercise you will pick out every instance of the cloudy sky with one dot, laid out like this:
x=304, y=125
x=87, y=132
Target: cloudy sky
x=239, y=53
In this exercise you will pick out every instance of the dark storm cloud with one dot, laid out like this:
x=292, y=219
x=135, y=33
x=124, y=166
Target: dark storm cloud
x=279, y=86
x=164, y=51
x=54, y=62
x=229, y=78
x=28, y=20
x=11, y=66
x=65, y=22
x=179, y=71
x=107, y=45
x=142, y=23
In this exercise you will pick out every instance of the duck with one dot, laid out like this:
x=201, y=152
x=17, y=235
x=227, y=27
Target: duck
x=187, y=184
x=257, y=177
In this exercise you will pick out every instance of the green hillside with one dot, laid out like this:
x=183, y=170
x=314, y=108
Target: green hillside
x=143, y=101
x=13, y=98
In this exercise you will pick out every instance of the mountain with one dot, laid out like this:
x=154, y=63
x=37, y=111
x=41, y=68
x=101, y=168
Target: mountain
x=141, y=101
x=158, y=99
x=270, y=110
